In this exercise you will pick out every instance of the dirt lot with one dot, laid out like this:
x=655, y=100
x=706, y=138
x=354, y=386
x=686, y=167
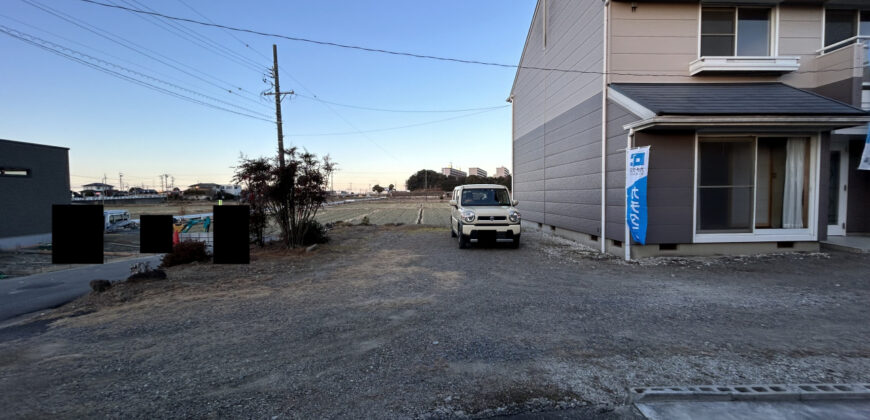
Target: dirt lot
x=396, y=322
x=126, y=244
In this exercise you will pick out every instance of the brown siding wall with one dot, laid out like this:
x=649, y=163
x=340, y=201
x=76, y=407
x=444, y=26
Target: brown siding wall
x=670, y=185
x=857, y=216
x=847, y=90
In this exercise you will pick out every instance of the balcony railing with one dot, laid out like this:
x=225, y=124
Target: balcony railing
x=862, y=39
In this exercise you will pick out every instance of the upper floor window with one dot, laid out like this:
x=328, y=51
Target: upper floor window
x=841, y=25
x=735, y=31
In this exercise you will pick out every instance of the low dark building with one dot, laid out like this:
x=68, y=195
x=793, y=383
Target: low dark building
x=33, y=177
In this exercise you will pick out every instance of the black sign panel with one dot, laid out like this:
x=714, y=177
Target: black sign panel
x=77, y=234
x=231, y=239
x=155, y=233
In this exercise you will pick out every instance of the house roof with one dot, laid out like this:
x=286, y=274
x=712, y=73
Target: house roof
x=98, y=184
x=732, y=99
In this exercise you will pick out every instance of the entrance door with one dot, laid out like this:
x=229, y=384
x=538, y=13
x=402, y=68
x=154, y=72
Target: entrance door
x=837, y=188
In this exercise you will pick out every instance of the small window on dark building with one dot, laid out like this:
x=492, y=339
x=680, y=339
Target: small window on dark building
x=14, y=172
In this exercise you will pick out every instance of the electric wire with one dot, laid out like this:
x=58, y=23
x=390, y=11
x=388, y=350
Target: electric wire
x=132, y=46
x=24, y=38
x=102, y=62
x=400, y=127
x=404, y=53
x=194, y=38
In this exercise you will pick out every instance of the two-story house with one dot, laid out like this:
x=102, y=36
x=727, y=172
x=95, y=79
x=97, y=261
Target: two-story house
x=752, y=111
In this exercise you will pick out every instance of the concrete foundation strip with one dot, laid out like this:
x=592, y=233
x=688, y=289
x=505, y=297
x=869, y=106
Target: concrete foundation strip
x=758, y=392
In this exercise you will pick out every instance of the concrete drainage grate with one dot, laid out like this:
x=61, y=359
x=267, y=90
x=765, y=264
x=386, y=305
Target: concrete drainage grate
x=769, y=392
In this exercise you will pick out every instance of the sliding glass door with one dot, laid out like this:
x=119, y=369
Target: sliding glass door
x=753, y=185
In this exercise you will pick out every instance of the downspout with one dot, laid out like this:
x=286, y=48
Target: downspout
x=626, y=244
x=513, y=139
x=603, y=237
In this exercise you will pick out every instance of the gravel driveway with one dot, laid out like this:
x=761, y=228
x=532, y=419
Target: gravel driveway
x=396, y=322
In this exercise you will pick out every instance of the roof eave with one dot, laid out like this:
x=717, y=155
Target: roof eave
x=812, y=121
x=525, y=46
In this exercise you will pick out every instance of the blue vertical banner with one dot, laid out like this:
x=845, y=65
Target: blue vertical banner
x=636, y=169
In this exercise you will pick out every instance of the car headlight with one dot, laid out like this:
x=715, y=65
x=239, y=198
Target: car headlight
x=467, y=216
x=514, y=216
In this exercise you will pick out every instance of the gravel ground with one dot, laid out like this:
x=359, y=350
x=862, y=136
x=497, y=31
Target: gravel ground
x=396, y=322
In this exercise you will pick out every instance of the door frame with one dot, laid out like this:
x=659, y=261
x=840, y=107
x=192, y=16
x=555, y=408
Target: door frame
x=839, y=229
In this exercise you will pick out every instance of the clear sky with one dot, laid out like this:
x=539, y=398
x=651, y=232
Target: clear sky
x=113, y=125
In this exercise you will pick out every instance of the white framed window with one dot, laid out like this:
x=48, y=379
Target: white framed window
x=753, y=188
x=736, y=32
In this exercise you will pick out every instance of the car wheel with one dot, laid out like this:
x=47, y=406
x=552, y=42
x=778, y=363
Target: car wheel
x=463, y=240
x=452, y=232
x=516, y=243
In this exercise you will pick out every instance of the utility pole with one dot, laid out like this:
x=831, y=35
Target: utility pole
x=277, y=93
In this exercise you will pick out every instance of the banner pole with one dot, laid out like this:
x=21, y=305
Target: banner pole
x=626, y=243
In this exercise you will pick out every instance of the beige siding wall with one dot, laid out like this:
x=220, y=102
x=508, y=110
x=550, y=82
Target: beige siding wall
x=662, y=38
x=574, y=40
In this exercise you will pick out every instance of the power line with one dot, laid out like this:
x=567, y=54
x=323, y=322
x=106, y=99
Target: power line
x=102, y=62
x=399, y=127
x=400, y=53
x=138, y=49
x=302, y=85
x=399, y=110
x=197, y=39
x=23, y=37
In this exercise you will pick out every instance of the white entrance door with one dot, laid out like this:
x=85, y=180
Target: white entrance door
x=838, y=188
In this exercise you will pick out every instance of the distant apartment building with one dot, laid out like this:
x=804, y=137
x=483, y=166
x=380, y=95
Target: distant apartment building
x=476, y=172
x=33, y=177
x=453, y=172
x=502, y=172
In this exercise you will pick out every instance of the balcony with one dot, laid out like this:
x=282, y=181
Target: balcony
x=744, y=65
x=845, y=60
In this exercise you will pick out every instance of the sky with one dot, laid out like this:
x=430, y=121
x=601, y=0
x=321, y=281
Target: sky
x=114, y=125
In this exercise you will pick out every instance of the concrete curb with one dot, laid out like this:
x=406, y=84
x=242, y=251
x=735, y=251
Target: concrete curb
x=844, y=248
x=759, y=392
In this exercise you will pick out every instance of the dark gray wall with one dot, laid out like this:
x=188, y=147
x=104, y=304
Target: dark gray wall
x=847, y=90
x=857, y=217
x=25, y=208
x=557, y=170
x=670, y=185
x=617, y=139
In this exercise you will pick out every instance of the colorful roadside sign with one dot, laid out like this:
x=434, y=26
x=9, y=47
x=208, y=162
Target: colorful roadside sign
x=636, y=169
x=865, y=158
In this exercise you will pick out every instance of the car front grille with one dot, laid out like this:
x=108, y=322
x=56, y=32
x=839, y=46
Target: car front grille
x=491, y=218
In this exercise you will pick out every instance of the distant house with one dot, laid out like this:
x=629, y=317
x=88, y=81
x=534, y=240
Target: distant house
x=502, y=172
x=99, y=187
x=33, y=177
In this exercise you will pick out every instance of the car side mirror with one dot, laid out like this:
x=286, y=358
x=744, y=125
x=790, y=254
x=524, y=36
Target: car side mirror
x=515, y=203
x=453, y=203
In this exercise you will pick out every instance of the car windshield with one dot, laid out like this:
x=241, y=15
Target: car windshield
x=486, y=197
